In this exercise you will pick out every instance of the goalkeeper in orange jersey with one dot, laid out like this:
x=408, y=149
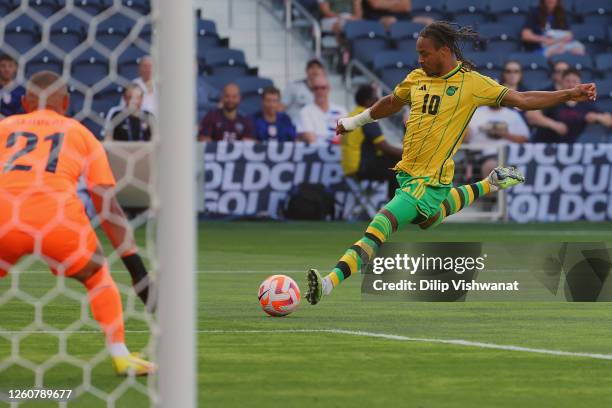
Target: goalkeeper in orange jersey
x=42, y=156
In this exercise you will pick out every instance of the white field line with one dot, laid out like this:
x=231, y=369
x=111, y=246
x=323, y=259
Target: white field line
x=455, y=342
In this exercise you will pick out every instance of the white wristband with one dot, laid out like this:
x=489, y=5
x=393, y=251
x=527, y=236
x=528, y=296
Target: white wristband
x=356, y=121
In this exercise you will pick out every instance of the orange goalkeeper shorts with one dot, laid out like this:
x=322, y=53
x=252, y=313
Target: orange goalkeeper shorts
x=55, y=228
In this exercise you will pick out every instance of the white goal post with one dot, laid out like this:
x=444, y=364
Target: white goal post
x=174, y=56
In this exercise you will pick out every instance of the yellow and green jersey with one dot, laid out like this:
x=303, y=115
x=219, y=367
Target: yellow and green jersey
x=440, y=110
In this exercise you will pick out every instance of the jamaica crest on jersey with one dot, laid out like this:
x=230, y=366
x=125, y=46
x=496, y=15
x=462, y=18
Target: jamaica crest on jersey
x=450, y=91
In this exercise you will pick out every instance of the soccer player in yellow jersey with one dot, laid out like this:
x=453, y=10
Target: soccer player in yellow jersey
x=443, y=95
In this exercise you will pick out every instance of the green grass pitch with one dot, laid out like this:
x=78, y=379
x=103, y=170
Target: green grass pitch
x=246, y=359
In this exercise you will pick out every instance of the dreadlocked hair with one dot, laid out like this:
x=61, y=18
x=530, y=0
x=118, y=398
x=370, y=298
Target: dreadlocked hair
x=451, y=35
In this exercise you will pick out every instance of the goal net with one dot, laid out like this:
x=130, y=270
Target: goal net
x=106, y=52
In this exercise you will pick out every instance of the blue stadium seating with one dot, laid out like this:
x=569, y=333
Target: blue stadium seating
x=487, y=59
x=92, y=7
x=580, y=62
x=393, y=59
x=604, y=64
x=89, y=67
x=468, y=12
x=67, y=33
x=592, y=36
x=44, y=7
x=604, y=88
x=516, y=20
x=405, y=30
x=128, y=61
x=22, y=34
x=218, y=81
x=536, y=80
x=110, y=34
x=514, y=7
x=392, y=77
x=595, y=12
x=253, y=85
x=225, y=61
x=106, y=98
x=432, y=8
x=141, y=6
x=530, y=61
x=500, y=37
x=7, y=7
x=207, y=37
x=366, y=39
x=44, y=61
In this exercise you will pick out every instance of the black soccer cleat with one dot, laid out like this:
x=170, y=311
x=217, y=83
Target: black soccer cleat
x=315, y=287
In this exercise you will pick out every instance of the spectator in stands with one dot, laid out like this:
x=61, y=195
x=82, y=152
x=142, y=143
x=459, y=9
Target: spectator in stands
x=389, y=12
x=366, y=154
x=10, y=92
x=334, y=13
x=566, y=122
x=494, y=127
x=299, y=93
x=226, y=123
x=512, y=76
x=317, y=122
x=547, y=30
x=271, y=123
x=556, y=76
x=145, y=82
x=127, y=121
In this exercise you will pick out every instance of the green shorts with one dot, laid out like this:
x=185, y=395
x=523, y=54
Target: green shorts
x=424, y=197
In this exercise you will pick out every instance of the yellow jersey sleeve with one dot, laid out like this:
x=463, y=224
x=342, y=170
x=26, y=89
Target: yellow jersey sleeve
x=486, y=91
x=402, y=90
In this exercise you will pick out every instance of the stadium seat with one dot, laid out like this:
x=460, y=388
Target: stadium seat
x=595, y=133
x=514, y=7
x=225, y=61
x=94, y=126
x=77, y=100
x=128, y=62
x=530, y=61
x=22, y=34
x=253, y=85
x=207, y=37
x=90, y=67
x=468, y=12
x=106, y=98
x=580, y=62
x=432, y=8
x=67, y=33
x=604, y=64
x=218, y=81
x=393, y=76
x=93, y=7
x=46, y=8
x=146, y=33
x=366, y=38
x=503, y=38
x=140, y=6
x=492, y=73
x=536, y=80
x=604, y=88
x=405, y=30
x=604, y=105
x=113, y=30
x=595, y=11
x=592, y=36
x=44, y=61
x=486, y=59
x=393, y=59
x=7, y=7
x=250, y=105
x=407, y=45
x=516, y=20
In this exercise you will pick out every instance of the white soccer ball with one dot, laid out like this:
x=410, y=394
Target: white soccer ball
x=279, y=295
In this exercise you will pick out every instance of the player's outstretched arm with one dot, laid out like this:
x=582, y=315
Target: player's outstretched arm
x=384, y=107
x=541, y=99
x=118, y=230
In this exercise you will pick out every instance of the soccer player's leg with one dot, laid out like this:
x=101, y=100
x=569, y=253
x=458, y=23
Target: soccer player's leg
x=13, y=245
x=460, y=197
x=401, y=210
x=74, y=252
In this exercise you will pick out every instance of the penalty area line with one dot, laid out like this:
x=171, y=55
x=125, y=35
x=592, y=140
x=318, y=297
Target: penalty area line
x=455, y=342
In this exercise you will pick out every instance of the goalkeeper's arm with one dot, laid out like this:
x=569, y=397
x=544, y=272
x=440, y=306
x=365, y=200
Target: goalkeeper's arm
x=118, y=230
x=384, y=107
